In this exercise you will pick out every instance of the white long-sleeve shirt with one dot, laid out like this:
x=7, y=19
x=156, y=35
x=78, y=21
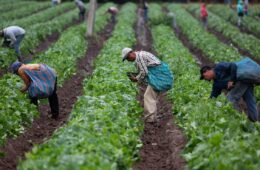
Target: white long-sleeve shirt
x=13, y=31
x=143, y=60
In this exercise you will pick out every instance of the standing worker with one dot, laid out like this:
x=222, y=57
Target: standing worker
x=204, y=15
x=239, y=78
x=145, y=9
x=157, y=74
x=82, y=9
x=113, y=11
x=240, y=12
x=246, y=7
x=13, y=36
x=40, y=80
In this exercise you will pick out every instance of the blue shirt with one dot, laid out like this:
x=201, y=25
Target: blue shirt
x=224, y=72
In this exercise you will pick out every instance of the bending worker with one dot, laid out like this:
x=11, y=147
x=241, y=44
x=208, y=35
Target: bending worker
x=13, y=36
x=155, y=72
x=40, y=80
x=239, y=78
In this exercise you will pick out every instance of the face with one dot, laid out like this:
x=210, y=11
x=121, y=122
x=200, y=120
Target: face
x=209, y=75
x=131, y=56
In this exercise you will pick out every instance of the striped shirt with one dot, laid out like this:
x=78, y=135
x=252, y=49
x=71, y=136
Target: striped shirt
x=143, y=60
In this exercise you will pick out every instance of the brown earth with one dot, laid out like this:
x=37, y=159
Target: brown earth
x=45, y=44
x=162, y=141
x=43, y=127
x=222, y=38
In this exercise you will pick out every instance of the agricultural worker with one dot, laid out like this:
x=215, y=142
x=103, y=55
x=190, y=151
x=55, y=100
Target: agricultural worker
x=237, y=77
x=54, y=2
x=155, y=72
x=13, y=36
x=145, y=10
x=240, y=12
x=113, y=11
x=204, y=15
x=40, y=80
x=82, y=9
x=246, y=7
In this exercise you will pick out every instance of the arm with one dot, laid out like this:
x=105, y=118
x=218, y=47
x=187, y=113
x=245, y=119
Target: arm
x=12, y=37
x=216, y=91
x=143, y=71
x=25, y=78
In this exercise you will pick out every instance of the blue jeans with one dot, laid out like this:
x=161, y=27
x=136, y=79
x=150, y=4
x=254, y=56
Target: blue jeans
x=246, y=91
x=19, y=39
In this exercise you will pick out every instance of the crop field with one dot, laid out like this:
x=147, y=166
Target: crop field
x=101, y=121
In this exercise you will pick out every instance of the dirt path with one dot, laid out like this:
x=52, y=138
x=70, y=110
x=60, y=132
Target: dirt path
x=163, y=141
x=242, y=28
x=43, y=127
x=228, y=41
x=46, y=43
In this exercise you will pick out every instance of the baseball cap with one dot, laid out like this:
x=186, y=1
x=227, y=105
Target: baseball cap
x=125, y=52
x=15, y=66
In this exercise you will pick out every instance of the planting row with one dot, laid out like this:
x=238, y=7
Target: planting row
x=23, y=10
x=104, y=127
x=245, y=41
x=35, y=34
x=218, y=136
x=230, y=15
x=201, y=39
x=10, y=5
x=15, y=108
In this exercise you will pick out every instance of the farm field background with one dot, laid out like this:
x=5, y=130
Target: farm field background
x=101, y=119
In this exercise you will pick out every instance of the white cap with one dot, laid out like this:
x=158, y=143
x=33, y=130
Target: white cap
x=125, y=52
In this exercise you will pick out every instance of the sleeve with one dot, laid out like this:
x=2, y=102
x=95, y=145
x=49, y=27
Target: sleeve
x=143, y=71
x=216, y=91
x=12, y=37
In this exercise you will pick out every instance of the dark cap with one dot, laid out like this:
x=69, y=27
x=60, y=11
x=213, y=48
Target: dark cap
x=15, y=66
x=203, y=70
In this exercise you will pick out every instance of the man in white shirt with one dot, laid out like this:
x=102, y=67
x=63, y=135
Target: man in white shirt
x=13, y=36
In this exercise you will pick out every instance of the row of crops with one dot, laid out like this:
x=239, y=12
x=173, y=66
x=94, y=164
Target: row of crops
x=219, y=136
x=105, y=127
x=38, y=27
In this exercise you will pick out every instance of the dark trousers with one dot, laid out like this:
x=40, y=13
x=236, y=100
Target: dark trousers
x=53, y=102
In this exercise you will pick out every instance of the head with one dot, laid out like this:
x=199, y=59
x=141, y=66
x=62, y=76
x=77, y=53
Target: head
x=203, y=5
x=207, y=73
x=15, y=67
x=128, y=54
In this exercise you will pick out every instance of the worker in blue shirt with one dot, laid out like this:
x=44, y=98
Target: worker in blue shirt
x=224, y=77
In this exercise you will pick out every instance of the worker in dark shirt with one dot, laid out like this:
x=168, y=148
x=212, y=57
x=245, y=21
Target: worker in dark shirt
x=224, y=77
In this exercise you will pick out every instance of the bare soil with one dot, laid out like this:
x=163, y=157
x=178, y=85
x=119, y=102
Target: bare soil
x=162, y=141
x=228, y=41
x=43, y=127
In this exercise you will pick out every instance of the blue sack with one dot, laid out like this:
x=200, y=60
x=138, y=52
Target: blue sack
x=160, y=77
x=248, y=71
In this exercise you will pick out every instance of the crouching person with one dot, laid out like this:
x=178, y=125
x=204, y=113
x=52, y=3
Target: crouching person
x=157, y=75
x=237, y=77
x=40, y=80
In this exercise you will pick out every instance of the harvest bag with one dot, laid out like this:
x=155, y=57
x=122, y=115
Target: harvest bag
x=42, y=81
x=248, y=71
x=160, y=77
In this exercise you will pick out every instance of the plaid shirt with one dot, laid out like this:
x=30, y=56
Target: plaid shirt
x=143, y=60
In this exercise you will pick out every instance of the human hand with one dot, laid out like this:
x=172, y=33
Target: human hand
x=133, y=79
